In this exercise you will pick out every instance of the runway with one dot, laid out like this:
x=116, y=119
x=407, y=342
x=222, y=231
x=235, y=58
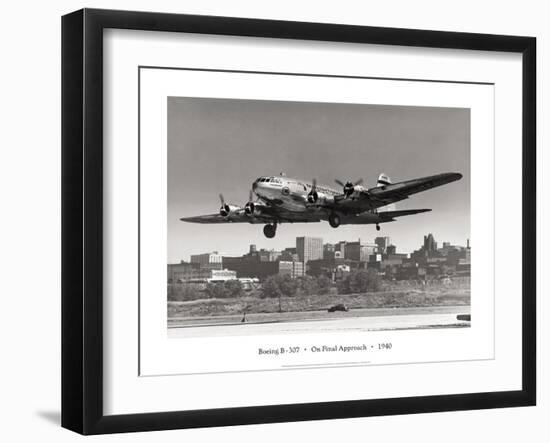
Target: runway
x=356, y=320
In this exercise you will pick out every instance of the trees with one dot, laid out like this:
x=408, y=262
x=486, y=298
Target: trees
x=214, y=290
x=227, y=289
x=308, y=285
x=233, y=288
x=184, y=292
x=360, y=281
x=270, y=287
x=279, y=285
x=324, y=284
x=285, y=286
x=288, y=285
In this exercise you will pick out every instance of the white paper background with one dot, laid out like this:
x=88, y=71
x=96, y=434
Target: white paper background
x=125, y=392
x=160, y=355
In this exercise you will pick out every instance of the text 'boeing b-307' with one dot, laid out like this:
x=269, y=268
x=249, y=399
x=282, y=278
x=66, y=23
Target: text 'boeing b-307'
x=280, y=199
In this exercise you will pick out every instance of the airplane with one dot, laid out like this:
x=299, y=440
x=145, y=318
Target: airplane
x=275, y=200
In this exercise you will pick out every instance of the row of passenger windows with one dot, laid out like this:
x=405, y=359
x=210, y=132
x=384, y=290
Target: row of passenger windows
x=278, y=180
x=268, y=180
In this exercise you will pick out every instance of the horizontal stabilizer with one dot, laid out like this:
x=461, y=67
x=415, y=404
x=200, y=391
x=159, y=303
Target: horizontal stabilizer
x=389, y=215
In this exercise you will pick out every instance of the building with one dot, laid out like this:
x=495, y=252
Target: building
x=252, y=267
x=334, y=251
x=340, y=249
x=264, y=254
x=319, y=267
x=287, y=256
x=294, y=269
x=209, y=260
x=391, y=250
x=359, y=251
x=298, y=269
x=430, y=245
x=309, y=248
x=185, y=272
x=328, y=251
x=382, y=243
x=221, y=275
x=271, y=255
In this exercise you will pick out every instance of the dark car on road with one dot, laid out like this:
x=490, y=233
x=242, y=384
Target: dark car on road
x=338, y=307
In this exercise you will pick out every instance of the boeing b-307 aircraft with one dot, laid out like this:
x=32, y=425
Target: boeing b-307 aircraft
x=279, y=199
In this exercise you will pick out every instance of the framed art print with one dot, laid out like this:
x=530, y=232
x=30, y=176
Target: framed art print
x=270, y=221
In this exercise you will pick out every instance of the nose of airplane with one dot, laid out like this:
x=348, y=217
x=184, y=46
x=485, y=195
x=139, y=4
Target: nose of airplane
x=254, y=186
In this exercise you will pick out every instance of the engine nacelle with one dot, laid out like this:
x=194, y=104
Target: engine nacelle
x=252, y=208
x=326, y=199
x=226, y=210
x=319, y=198
x=312, y=197
x=358, y=189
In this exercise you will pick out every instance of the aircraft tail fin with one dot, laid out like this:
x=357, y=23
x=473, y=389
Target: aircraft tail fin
x=385, y=180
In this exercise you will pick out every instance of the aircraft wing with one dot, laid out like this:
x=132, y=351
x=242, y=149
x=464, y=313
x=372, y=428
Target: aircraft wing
x=273, y=215
x=239, y=217
x=400, y=191
x=373, y=198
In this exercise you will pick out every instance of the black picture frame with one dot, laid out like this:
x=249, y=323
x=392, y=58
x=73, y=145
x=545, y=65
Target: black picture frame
x=82, y=219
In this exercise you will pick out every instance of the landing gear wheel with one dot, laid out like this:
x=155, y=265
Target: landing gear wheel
x=377, y=227
x=334, y=220
x=270, y=230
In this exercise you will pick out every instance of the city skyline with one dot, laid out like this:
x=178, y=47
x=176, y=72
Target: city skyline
x=246, y=248
x=222, y=145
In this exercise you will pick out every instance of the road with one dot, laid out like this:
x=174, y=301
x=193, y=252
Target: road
x=322, y=321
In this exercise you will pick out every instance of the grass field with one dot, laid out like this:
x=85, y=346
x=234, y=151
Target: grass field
x=394, y=295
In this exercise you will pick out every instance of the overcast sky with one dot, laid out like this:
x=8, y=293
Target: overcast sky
x=223, y=145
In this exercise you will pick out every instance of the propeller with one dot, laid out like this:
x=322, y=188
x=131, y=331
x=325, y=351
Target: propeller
x=224, y=209
x=349, y=186
x=313, y=196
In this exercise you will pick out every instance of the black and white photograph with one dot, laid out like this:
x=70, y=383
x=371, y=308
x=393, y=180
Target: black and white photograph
x=287, y=217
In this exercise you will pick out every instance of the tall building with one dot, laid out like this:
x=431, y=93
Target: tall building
x=309, y=248
x=382, y=243
x=430, y=245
